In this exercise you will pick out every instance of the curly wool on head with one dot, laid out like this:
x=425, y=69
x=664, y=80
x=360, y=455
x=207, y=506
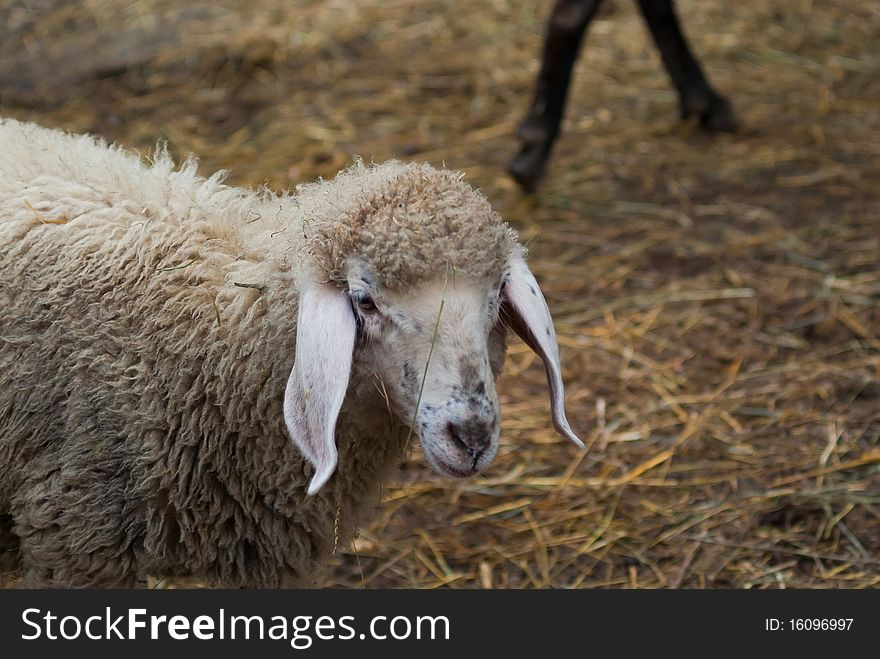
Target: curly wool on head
x=405, y=222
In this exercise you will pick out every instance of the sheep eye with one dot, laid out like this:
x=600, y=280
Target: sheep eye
x=363, y=301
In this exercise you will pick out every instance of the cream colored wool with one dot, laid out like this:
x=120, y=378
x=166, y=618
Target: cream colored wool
x=141, y=385
x=406, y=222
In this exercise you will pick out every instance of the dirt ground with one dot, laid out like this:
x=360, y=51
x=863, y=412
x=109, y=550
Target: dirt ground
x=717, y=298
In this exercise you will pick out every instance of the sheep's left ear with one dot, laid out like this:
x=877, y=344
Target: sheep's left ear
x=325, y=335
x=525, y=311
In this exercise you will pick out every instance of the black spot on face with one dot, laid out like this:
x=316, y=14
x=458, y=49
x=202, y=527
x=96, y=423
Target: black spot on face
x=470, y=371
x=493, y=306
x=548, y=331
x=532, y=289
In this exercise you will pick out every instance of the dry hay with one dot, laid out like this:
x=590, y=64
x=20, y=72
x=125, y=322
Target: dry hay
x=717, y=299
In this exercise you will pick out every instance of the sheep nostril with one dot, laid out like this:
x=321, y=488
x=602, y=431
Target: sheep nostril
x=475, y=443
x=455, y=434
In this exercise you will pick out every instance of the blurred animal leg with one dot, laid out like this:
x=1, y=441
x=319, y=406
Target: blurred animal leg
x=537, y=132
x=696, y=96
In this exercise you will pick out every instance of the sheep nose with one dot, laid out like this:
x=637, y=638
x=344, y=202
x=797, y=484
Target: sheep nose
x=472, y=435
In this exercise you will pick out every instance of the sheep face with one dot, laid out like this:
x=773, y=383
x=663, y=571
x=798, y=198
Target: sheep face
x=436, y=347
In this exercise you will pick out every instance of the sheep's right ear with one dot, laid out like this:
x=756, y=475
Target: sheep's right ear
x=325, y=335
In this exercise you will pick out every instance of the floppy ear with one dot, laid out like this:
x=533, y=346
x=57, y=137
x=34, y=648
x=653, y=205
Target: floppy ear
x=325, y=334
x=525, y=311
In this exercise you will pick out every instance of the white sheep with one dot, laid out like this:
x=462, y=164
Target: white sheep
x=148, y=322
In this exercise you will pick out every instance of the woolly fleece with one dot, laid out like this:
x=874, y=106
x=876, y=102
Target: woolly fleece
x=147, y=328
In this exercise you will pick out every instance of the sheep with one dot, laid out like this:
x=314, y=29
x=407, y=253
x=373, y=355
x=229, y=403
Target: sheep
x=568, y=22
x=151, y=423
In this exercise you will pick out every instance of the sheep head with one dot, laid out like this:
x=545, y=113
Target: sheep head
x=421, y=280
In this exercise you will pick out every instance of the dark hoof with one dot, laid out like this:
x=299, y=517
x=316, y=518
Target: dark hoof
x=527, y=167
x=719, y=118
x=712, y=111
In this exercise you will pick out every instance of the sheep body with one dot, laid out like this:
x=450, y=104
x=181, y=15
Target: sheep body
x=148, y=326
